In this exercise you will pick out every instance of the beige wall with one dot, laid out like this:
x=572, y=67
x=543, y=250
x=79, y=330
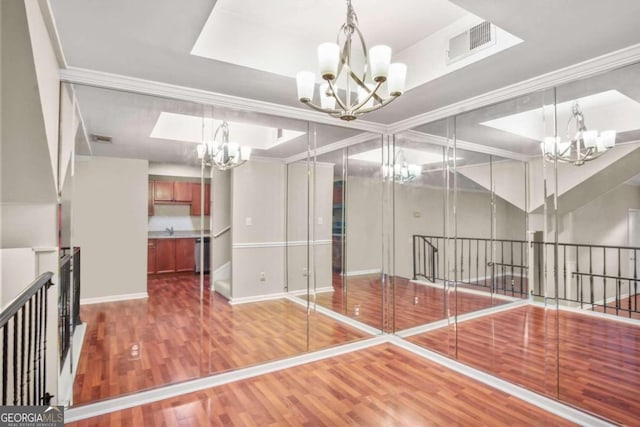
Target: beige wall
x=109, y=224
x=258, y=199
x=363, y=225
x=221, y=208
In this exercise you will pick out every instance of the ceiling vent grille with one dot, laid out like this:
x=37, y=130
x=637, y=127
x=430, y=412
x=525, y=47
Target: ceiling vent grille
x=472, y=40
x=101, y=138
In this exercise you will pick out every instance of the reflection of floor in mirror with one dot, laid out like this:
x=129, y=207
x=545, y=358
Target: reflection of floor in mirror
x=140, y=344
x=382, y=385
x=599, y=359
x=415, y=303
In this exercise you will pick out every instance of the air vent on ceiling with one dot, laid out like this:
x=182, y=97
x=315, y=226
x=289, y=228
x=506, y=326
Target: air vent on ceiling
x=470, y=41
x=101, y=138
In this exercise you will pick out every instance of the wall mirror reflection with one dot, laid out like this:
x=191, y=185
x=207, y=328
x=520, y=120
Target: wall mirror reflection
x=187, y=257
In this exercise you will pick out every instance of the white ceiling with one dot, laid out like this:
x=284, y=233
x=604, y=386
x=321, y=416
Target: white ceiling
x=153, y=40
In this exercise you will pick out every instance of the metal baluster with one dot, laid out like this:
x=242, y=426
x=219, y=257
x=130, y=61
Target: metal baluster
x=618, y=285
x=414, y=257
x=604, y=279
x=30, y=307
x=39, y=358
x=590, y=276
x=5, y=363
x=578, y=282
x=635, y=278
x=45, y=394
x=22, y=356
x=564, y=276
x=14, y=319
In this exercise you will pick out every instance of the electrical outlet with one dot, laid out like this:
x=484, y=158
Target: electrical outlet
x=248, y=221
x=263, y=276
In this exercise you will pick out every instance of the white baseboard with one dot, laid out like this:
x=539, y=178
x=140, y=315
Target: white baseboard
x=113, y=298
x=361, y=272
x=257, y=298
x=68, y=372
x=302, y=292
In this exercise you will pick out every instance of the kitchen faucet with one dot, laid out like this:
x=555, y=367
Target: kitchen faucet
x=170, y=230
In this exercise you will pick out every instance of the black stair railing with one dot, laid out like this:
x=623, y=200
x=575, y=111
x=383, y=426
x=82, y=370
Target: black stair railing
x=23, y=325
x=64, y=309
x=425, y=258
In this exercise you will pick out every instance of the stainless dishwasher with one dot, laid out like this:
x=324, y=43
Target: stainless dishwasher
x=199, y=264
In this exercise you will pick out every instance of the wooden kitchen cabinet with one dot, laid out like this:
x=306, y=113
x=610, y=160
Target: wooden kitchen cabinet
x=165, y=256
x=163, y=191
x=181, y=191
x=196, y=202
x=185, y=254
x=151, y=256
x=150, y=200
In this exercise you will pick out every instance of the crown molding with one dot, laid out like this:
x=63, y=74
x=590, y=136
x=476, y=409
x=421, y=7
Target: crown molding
x=183, y=93
x=609, y=61
x=357, y=139
x=463, y=145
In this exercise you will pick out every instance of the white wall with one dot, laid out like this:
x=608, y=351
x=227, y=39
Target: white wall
x=221, y=208
x=109, y=224
x=363, y=225
x=173, y=170
x=258, y=233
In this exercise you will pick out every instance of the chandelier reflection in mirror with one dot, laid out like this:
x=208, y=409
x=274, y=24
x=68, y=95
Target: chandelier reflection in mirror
x=223, y=155
x=580, y=147
x=401, y=171
x=336, y=64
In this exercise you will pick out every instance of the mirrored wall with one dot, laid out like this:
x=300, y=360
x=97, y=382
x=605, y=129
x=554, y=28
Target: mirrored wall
x=504, y=237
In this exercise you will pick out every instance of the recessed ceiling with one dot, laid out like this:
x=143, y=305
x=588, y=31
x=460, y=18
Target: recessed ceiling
x=196, y=129
x=603, y=110
x=276, y=37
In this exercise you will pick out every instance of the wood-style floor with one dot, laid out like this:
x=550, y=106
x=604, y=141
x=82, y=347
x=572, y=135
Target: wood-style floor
x=170, y=337
x=383, y=385
x=409, y=304
x=588, y=362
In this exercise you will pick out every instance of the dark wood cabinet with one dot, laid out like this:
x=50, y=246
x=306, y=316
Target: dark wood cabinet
x=181, y=191
x=170, y=255
x=163, y=191
x=150, y=198
x=151, y=256
x=165, y=256
x=197, y=202
x=185, y=254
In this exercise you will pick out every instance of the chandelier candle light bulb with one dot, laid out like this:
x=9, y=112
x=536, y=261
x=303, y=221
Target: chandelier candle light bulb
x=335, y=60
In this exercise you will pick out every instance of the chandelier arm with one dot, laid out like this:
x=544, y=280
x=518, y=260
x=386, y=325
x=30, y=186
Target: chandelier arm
x=369, y=96
x=337, y=97
x=322, y=110
x=366, y=54
x=377, y=107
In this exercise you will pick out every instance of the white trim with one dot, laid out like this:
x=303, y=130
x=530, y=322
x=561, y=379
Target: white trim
x=154, y=395
x=52, y=30
x=587, y=68
x=347, y=142
x=303, y=292
x=113, y=298
x=281, y=244
x=542, y=402
x=221, y=232
x=221, y=273
x=337, y=316
x=66, y=380
x=461, y=288
x=361, y=272
x=183, y=93
x=585, y=312
x=461, y=318
x=464, y=145
x=257, y=298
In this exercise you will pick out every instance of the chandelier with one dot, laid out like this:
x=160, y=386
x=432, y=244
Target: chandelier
x=585, y=145
x=223, y=154
x=335, y=62
x=402, y=171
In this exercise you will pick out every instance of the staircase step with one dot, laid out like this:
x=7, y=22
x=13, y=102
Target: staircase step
x=223, y=287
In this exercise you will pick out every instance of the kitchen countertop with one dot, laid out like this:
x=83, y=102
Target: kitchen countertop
x=177, y=234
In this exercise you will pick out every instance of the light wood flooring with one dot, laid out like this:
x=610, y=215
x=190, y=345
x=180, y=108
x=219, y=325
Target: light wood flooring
x=588, y=362
x=170, y=337
x=383, y=385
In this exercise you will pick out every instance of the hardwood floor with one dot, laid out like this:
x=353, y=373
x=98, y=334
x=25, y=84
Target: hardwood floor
x=171, y=337
x=411, y=304
x=588, y=362
x=383, y=385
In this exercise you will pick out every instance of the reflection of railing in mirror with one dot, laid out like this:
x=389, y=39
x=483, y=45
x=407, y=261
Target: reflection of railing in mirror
x=592, y=277
x=425, y=263
x=494, y=265
x=68, y=300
